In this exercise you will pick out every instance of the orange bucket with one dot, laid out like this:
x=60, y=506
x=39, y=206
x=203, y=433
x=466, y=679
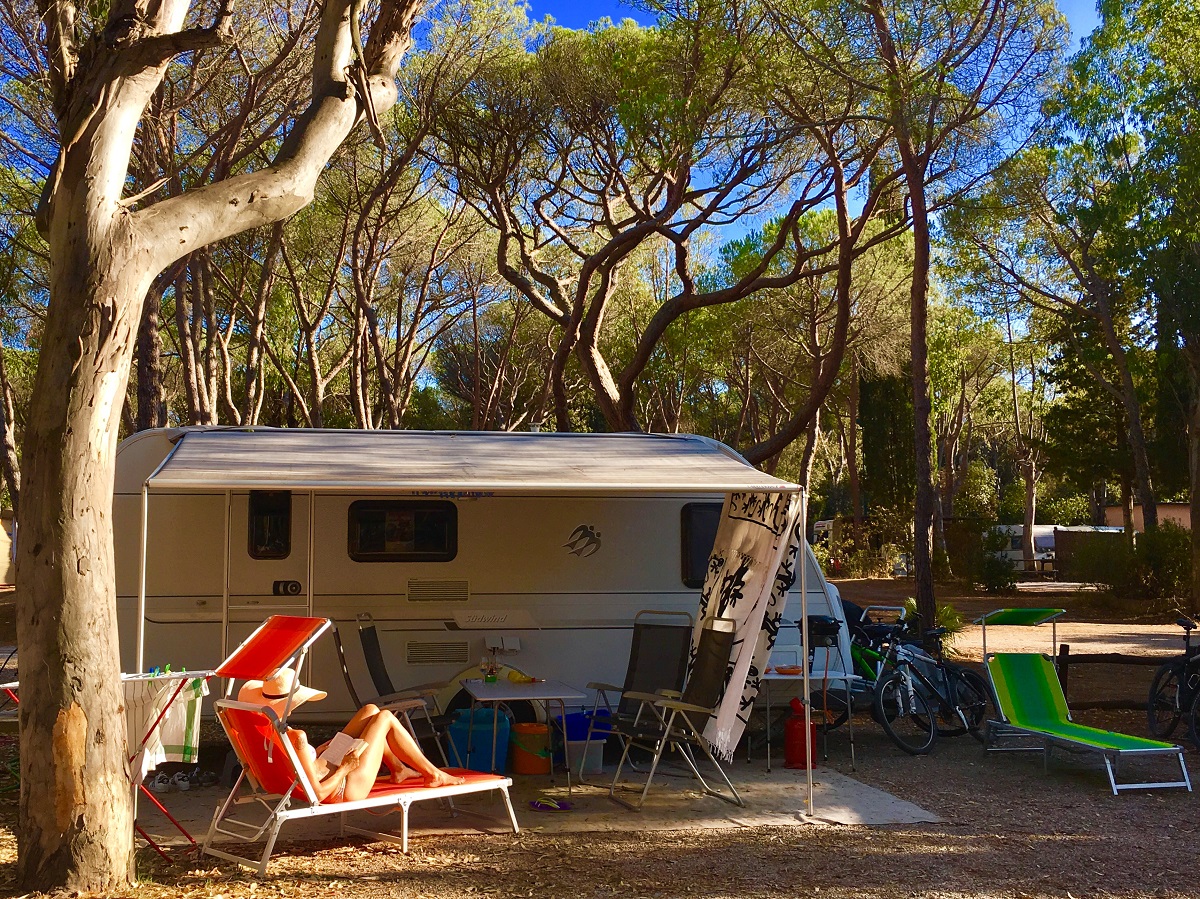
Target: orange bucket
x=529, y=750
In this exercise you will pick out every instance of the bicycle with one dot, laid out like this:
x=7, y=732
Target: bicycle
x=916, y=707
x=1174, y=688
x=871, y=654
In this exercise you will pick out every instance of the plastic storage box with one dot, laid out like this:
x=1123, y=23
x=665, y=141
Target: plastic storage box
x=480, y=733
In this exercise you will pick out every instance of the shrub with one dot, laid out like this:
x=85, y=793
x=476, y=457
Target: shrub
x=1163, y=564
x=874, y=554
x=1157, y=569
x=996, y=573
x=976, y=548
x=947, y=616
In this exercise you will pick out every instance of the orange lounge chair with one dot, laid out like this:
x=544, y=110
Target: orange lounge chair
x=272, y=777
x=277, y=783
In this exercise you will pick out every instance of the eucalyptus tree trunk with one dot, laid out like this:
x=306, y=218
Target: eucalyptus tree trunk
x=10, y=464
x=1030, y=475
x=75, y=829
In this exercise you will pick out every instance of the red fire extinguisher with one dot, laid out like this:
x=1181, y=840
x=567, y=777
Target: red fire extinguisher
x=798, y=746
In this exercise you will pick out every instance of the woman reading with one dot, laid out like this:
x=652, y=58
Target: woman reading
x=375, y=737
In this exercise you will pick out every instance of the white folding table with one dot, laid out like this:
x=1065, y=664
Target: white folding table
x=503, y=692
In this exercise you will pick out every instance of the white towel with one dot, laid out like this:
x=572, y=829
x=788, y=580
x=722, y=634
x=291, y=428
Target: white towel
x=177, y=736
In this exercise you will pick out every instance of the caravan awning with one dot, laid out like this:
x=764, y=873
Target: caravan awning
x=450, y=463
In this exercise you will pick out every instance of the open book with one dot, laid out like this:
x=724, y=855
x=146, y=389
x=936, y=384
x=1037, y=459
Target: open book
x=341, y=744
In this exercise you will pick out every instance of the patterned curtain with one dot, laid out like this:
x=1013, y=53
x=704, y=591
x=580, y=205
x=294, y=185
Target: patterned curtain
x=751, y=569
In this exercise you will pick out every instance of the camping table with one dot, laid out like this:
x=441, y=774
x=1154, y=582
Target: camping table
x=824, y=677
x=501, y=692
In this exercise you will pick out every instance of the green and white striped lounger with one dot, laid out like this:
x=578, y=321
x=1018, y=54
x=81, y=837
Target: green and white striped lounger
x=1031, y=703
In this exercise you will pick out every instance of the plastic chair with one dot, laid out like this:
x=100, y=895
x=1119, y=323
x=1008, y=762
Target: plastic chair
x=663, y=721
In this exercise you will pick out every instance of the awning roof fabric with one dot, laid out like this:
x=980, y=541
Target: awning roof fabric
x=454, y=462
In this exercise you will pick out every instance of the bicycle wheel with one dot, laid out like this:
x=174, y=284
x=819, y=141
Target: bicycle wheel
x=1162, y=708
x=971, y=695
x=905, y=714
x=974, y=696
x=1194, y=720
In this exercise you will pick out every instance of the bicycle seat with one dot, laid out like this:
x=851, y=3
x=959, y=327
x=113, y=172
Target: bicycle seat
x=873, y=634
x=1186, y=623
x=936, y=632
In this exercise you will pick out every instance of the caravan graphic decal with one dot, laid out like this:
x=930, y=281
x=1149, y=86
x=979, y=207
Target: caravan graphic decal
x=583, y=542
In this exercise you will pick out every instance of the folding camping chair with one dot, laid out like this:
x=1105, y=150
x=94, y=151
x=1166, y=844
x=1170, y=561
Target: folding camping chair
x=272, y=775
x=658, y=656
x=403, y=703
x=662, y=721
x=1032, y=706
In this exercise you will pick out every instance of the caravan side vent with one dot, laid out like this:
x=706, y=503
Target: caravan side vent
x=437, y=653
x=438, y=591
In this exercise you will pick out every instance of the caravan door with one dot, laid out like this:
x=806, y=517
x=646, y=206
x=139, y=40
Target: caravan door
x=269, y=552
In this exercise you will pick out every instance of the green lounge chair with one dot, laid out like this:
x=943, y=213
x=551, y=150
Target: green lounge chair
x=1031, y=703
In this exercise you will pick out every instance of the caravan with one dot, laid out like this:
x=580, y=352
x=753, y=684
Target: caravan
x=538, y=546
x=1043, y=546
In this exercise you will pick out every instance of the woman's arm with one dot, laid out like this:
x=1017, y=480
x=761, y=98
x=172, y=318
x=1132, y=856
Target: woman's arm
x=325, y=783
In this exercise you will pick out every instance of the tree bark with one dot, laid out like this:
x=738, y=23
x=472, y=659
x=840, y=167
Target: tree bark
x=1134, y=432
x=76, y=823
x=75, y=815
x=1192, y=355
x=812, y=438
x=10, y=464
x=1030, y=475
x=852, y=473
x=914, y=167
x=151, y=397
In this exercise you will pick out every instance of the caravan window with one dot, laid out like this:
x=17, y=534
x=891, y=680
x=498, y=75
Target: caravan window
x=403, y=531
x=699, y=533
x=270, y=524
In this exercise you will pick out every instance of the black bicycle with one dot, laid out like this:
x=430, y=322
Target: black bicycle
x=1175, y=687
x=925, y=697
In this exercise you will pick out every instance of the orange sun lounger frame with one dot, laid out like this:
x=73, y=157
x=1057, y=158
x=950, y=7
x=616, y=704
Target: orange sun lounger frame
x=272, y=777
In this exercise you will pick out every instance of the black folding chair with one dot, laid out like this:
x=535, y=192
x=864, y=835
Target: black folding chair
x=658, y=657
x=405, y=704
x=662, y=721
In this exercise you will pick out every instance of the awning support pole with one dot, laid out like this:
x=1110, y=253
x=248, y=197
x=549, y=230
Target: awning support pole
x=141, y=607
x=225, y=585
x=802, y=556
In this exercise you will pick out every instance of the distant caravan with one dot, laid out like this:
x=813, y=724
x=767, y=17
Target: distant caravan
x=1043, y=547
x=540, y=547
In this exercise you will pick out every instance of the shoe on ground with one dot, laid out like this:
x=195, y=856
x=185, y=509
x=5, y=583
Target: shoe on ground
x=180, y=781
x=205, y=779
x=161, y=783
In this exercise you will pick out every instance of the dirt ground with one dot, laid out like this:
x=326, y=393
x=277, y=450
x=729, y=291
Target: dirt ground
x=1011, y=830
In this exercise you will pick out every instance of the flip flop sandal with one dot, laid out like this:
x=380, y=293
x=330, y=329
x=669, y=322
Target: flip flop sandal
x=550, y=805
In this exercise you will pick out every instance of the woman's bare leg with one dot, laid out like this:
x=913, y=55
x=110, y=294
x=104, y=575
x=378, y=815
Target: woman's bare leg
x=406, y=749
x=356, y=725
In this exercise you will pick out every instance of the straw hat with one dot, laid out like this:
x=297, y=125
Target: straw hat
x=274, y=691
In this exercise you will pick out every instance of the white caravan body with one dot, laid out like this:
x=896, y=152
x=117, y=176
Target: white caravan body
x=557, y=541
x=1014, y=549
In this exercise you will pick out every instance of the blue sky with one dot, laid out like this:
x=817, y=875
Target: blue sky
x=578, y=14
